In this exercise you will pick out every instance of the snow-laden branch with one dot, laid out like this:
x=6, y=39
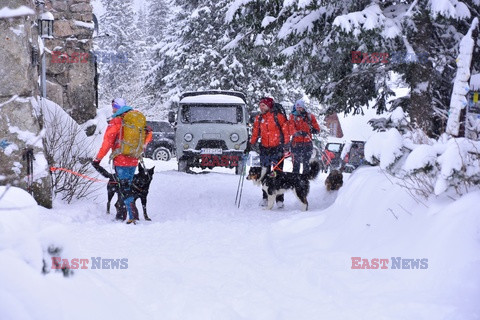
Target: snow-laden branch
x=390, y=19
x=458, y=100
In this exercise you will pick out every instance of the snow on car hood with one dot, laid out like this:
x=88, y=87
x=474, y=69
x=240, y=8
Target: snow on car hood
x=213, y=99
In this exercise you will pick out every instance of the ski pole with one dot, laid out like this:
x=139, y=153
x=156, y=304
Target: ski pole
x=242, y=175
x=238, y=186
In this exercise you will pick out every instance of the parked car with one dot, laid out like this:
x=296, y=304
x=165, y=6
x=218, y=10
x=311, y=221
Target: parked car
x=354, y=155
x=210, y=129
x=162, y=146
x=330, y=158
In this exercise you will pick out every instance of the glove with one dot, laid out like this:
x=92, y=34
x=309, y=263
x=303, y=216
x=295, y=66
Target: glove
x=96, y=163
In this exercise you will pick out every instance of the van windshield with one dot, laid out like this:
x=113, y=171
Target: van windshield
x=334, y=147
x=212, y=114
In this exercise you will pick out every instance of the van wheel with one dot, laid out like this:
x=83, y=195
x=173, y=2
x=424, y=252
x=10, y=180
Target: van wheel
x=182, y=166
x=162, y=154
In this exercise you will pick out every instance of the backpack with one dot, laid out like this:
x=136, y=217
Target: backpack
x=132, y=134
x=309, y=122
x=277, y=108
x=308, y=119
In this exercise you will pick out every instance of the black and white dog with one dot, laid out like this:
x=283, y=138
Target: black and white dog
x=277, y=183
x=140, y=187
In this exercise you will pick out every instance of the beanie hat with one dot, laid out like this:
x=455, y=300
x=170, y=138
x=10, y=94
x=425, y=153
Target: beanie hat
x=268, y=101
x=117, y=103
x=300, y=104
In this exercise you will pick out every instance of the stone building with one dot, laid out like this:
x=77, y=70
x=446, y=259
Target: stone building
x=70, y=84
x=71, y=68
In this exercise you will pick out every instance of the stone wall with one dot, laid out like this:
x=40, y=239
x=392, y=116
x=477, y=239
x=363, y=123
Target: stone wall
x=70, y=83
x=20, y=129
x=71, y=77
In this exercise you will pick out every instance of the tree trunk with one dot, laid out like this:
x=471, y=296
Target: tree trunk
x=420, y=77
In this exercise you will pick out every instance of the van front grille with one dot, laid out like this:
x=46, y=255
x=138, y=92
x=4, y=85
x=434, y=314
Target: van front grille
x=215, y=144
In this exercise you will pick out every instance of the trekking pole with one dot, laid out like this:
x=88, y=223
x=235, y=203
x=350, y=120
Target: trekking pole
x=242, y=176
x=238, y=198
x=238, y=185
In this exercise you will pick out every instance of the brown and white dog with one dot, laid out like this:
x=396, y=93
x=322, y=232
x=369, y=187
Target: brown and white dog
x=334, y=180
x=277, y=182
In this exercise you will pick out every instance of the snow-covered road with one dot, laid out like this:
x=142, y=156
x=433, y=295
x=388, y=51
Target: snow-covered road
x=202, y=258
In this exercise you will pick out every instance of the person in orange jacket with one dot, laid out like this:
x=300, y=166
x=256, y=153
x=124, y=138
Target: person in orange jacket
x=270, y=128
x=301, y=126
x=124, y=165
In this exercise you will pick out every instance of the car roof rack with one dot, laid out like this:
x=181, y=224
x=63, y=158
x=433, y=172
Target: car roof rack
x=238, y=94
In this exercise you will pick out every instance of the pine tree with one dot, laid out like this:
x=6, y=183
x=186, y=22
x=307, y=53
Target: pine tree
x=318, y=39
x=203, y=51
x=116, y=54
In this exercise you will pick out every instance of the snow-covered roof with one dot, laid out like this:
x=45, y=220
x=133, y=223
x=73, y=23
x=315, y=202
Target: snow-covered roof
x=47, y=16
x=21, y=11
x=213, y=99
x=356, y=127
x=475, y=82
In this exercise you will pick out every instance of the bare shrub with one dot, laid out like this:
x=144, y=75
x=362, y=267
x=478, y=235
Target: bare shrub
x=67, y=147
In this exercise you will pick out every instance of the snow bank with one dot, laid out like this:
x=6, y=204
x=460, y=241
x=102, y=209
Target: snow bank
x=384, y=147
x=373, y=217
x=30, y=288
x=203, y=258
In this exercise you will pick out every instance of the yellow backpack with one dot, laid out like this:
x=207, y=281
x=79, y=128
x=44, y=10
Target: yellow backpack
x=132, y=134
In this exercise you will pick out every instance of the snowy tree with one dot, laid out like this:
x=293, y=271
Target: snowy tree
x=158, y=16
x=317, y=40
x=206, y=51
x=117, y=51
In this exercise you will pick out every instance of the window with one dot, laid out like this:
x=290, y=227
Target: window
x=211, y=114
x=333, y=129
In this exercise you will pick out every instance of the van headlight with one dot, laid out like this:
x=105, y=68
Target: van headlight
x=188, y=137
x=234, y=137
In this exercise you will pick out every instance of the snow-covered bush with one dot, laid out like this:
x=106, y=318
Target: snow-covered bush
x=67, y=147
x=426, y=166
x=22, y=242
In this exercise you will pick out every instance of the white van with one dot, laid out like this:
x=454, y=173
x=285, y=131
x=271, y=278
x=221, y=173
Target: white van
x=210, y=129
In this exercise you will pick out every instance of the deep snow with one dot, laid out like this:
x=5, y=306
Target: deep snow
x=202, y=258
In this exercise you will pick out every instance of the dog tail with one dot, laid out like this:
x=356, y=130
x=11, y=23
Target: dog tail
x=314, y=170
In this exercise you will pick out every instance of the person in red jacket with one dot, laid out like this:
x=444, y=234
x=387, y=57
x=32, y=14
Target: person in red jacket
x=124, y=165
x=301, y=126
x=270, y=128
